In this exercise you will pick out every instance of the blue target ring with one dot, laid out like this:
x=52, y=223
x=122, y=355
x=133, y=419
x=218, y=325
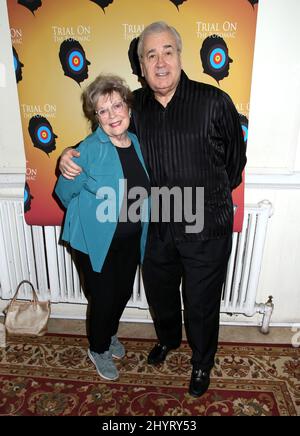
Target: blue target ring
x=245, y=133
x=25, y=195
x=217, y=58
x=44, y=134
x=76, y=60
x=16, y=63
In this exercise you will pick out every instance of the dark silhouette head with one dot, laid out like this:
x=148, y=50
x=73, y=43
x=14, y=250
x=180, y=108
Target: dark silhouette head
x=134, y=61
x=27, y=198
x=133, y=57
x=244, y=124
x=214, y=57
x=102, y=3
x=177, y=3
x=32, y=5
x=17, y=65
x=73, y=60
x=42, y=134
x=253, y=2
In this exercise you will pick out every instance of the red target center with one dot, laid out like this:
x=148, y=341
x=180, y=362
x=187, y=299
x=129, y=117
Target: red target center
x=217, y=58
x=76, y=61
x=44, y=134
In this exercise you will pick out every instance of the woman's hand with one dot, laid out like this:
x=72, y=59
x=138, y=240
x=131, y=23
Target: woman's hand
x=67, y=167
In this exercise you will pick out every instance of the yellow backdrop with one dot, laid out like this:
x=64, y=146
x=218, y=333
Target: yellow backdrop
x=104, y=30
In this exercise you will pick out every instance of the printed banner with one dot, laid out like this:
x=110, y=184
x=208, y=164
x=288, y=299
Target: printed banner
x=59, y=46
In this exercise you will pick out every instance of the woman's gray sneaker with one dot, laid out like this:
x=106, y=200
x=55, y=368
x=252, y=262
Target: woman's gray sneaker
x=104, y=364
x=117, y=349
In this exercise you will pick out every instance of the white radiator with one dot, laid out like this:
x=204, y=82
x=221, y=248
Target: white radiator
x=34, y=253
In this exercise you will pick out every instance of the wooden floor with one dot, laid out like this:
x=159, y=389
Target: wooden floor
x=277, y=335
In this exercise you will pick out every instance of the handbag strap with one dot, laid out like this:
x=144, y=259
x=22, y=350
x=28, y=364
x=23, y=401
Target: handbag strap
x=35, y=298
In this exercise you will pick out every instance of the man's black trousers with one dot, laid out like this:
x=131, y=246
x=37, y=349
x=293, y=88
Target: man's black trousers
x=201, y=266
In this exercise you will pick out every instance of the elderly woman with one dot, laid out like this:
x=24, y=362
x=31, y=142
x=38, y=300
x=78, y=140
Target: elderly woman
x=98, y=224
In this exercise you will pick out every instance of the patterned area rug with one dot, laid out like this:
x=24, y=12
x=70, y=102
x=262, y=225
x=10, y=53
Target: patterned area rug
x=52, y=375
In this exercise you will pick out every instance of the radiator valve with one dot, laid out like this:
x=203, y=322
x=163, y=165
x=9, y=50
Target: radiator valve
x=268, y=309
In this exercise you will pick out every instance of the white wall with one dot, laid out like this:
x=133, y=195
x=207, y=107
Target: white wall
x=273, y=170
x=274, y=127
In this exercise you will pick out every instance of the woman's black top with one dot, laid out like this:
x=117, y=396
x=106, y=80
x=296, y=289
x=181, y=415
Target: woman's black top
x=135, y=176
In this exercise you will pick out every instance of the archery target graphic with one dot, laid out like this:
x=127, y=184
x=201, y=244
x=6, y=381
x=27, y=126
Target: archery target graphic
x=73, y=60
x=44, y=134
x=217, y=58
x=41, y=133
x=15, y=62
x=245, y=133
x=27, y=198
x=76, y=61
x=244, y=125
x=17, y=65
x=214, y=57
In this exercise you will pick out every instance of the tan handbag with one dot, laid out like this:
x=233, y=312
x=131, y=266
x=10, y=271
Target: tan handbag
x=25, y=317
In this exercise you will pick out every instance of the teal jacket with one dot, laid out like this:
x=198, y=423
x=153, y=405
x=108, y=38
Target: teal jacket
x=84, y=228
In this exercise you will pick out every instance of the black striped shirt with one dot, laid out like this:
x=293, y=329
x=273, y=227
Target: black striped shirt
x=196, y=140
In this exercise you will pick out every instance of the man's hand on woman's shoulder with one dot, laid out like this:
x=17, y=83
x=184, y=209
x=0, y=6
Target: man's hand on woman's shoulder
x=68, y=168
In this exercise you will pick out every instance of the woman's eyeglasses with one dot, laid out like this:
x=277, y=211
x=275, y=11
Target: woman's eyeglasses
x=116, y=108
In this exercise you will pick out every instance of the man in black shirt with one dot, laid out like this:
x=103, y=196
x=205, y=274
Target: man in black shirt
x=191, y=137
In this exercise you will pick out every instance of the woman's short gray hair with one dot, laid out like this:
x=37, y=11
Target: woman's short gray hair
x=104, y=84
x=158, y=27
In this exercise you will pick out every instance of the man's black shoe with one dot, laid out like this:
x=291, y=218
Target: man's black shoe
x=200, y=381
x=158, y=354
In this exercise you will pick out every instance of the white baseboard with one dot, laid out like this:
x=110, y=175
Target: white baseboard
x=78, y=311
